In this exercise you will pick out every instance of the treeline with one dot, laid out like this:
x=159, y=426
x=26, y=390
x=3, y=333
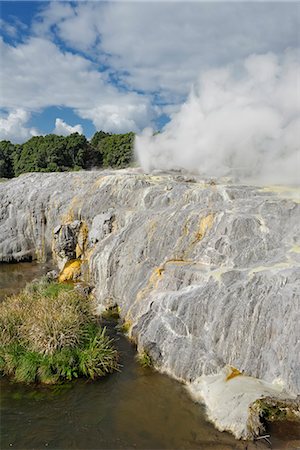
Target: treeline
x=52, y=153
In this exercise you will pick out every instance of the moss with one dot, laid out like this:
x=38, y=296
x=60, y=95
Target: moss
x=273, y=410
x=54, y=289
x=270, y=409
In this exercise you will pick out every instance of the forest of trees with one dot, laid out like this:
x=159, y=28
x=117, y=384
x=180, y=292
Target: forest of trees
x=52, y=153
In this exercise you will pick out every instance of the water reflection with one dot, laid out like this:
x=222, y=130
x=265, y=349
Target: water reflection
x=13, y=277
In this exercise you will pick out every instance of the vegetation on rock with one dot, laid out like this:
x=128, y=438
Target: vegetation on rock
x=272, y=409
x=144, y=359
x=48, y=333
x=52, y=153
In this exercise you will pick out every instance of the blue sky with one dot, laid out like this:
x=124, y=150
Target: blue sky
x=121, y=66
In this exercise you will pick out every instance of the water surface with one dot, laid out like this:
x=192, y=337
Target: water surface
x=134, y=409
x=13, y=277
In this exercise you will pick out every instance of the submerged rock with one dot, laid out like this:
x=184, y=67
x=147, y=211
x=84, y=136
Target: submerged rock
x=205, y=274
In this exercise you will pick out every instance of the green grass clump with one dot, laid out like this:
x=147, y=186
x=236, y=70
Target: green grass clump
x=48, y=334
x=144, y=359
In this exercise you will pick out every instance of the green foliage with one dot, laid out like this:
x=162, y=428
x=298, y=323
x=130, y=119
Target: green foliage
x=7, y=151
x=97, y=138
x=48, y=333
x=52, y=153
x=95, y=359
x=117, y=150
x=27, y=365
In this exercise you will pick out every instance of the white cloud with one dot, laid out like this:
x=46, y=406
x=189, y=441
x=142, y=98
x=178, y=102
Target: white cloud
x=13, y=28
x=37, y=74
x=119, y=117
x=162, y=46
x=53, y=13
x=76, y=25
x=13, y=127
x=7, y=28
x=153, y=51
x=63, y=129
x=247, y=126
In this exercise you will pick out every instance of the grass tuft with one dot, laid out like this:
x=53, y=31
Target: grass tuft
x=48, y=333
x=144, y=359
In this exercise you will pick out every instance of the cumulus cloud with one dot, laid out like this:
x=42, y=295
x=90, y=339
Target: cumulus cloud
x=84, y=55
x=69, y=22
x=120, y=117
x=246, y=126
x=13, y=127
x=176, y=40
x=49, y=76
x=63, y=129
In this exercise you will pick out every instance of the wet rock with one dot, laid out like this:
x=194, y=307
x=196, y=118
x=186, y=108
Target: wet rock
x=65, y=238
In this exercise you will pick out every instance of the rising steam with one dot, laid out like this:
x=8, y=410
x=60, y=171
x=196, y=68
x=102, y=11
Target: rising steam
x=246, y=126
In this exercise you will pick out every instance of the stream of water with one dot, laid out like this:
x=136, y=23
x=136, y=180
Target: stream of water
x=135, y=408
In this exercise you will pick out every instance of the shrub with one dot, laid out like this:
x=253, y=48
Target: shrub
x=48, y=333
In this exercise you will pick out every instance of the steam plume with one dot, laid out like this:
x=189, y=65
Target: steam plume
x=246, y=126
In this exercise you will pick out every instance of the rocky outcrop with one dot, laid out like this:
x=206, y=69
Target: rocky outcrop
x=206, y=274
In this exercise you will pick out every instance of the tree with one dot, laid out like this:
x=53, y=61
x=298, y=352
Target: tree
x=117, y=150
x=97, y=138
x=7, y=151
x=39, y=152
x=52, y=153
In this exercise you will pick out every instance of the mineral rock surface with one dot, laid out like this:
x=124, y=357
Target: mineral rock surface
x=206, y=274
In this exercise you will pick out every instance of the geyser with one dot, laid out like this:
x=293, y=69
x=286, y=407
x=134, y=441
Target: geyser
x=239, y=121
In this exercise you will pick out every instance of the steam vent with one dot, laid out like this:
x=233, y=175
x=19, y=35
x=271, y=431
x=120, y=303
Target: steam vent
x=206, y=275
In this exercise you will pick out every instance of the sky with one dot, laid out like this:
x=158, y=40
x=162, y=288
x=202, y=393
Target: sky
x=124, y=66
